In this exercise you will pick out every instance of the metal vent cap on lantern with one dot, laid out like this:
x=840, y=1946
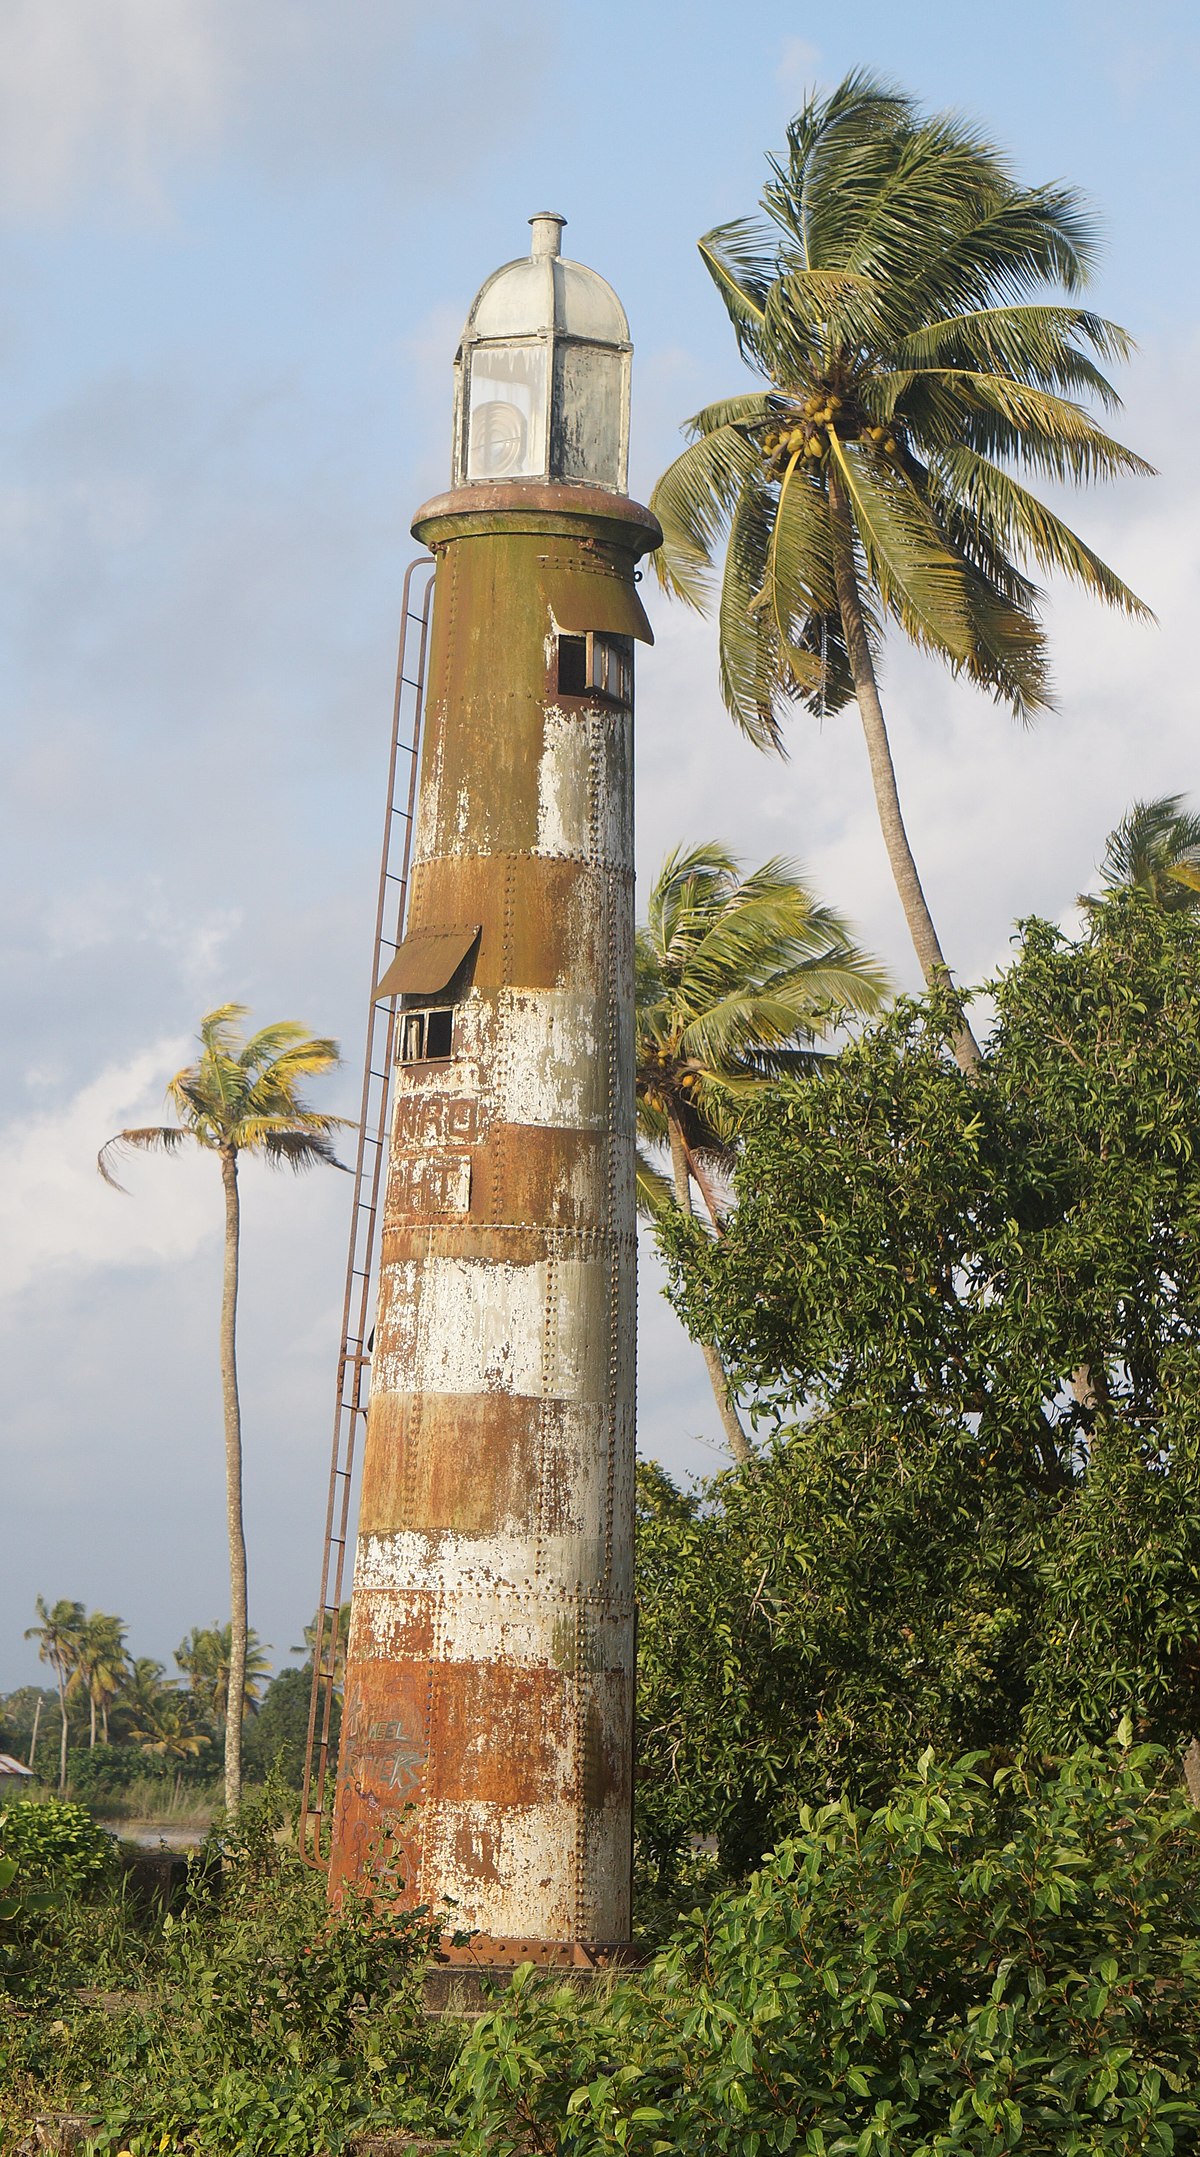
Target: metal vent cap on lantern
x=542, y=373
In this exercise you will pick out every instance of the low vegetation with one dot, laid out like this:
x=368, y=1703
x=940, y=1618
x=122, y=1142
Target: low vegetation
x=243, y=2019
x=991, y=1960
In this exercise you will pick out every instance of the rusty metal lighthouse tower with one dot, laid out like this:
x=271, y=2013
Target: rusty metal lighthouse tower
x=488, y=1703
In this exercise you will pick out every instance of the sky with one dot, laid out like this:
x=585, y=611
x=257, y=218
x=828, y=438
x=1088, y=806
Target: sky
x=238, y=239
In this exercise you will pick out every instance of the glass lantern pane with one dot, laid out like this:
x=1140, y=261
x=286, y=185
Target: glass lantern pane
x=588, y=403
x=507, y=412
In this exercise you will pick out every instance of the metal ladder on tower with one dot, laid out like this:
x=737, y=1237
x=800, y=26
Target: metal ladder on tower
x=353, y=1376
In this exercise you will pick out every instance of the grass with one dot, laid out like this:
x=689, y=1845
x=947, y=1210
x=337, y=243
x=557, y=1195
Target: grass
x=151, y=1798
x=148, y=1798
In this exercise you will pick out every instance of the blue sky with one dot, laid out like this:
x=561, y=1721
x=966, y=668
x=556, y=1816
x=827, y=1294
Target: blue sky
x=237, y=242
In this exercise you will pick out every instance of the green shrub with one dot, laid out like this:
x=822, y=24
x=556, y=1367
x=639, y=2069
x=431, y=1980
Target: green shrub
x=99, y=1773
x=977, y=1966
x=249, y=2020
x=21, y=1905
x=57, y=1842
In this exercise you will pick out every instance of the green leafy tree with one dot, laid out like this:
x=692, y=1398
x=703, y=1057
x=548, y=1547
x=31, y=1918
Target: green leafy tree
x=22, y=1713
x=944, y=1542
x=737, y=976
x=278, y=1735
x=898, y=297
x=59, y=1636
x=242, y=1096
x=1155, y=849
x=206, y=1660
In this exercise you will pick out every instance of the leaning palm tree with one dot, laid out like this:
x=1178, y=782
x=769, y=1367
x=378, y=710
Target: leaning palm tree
x=59, y=1637
x=892, y=299
x=736, y=977
x=1156, y=849
x=241, y=1097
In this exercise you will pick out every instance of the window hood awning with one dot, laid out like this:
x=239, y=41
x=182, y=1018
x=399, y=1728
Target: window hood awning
x=592, y=600
x=426, y=961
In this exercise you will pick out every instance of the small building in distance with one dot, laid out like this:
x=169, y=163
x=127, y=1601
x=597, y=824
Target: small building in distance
x=13, y=1776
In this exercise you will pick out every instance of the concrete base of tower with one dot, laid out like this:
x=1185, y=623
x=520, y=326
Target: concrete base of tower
x=458, y=1988
x=482, y=1951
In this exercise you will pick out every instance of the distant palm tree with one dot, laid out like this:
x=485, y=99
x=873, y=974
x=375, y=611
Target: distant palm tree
x=144, y=1685
x=171, y=1731
x=206, y=1660
x=1156, y=849
x=100, y=1667
x=321, y=1625
x=891, y=298
x=736, y=977
x=59, y=1638
x=242, y=1096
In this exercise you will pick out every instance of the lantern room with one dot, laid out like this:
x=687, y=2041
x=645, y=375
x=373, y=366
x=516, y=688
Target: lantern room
x=542, y=374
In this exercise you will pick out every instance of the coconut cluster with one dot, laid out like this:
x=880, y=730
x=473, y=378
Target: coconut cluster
x=805, y=431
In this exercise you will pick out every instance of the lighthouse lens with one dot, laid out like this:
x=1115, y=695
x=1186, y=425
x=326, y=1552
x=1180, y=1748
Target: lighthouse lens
x=498, y=439
x=507, y=412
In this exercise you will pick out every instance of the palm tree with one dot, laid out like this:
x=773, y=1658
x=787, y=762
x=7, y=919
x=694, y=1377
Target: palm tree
x=736, y=977
x=1155, y=849
x=885, y=298
x=206, y=1660
x=320, y=1626
x=59, y=1637
x=143, y=1688
x=170, y=1730
x=240, y=1097
x=100, y=1667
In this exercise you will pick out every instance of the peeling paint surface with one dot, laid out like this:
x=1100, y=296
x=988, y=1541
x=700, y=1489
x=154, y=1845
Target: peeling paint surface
x=488, y=1710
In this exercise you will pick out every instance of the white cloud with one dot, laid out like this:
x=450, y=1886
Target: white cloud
x=100, y=94
x=97, y=915
x=107, y=101
x=798, y=65
x=55, y=1211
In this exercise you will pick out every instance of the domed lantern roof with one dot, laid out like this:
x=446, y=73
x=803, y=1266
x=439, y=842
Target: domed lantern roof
x=542, y=373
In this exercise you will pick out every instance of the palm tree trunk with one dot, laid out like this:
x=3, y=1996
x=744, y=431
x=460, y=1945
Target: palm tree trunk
x=883, y=773
x=37, y=1716
x=739, y=1444
x=91, y=1720
x=62, y=1743
x=233, y=1489
x=705, y=1189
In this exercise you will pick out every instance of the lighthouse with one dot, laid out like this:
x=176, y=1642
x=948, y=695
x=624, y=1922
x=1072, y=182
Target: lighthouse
x=487, y=1726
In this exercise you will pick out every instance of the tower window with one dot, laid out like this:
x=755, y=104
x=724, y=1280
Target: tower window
x=596, y=663
x=573, y=666
x=612, y=667
x=426, y=1036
